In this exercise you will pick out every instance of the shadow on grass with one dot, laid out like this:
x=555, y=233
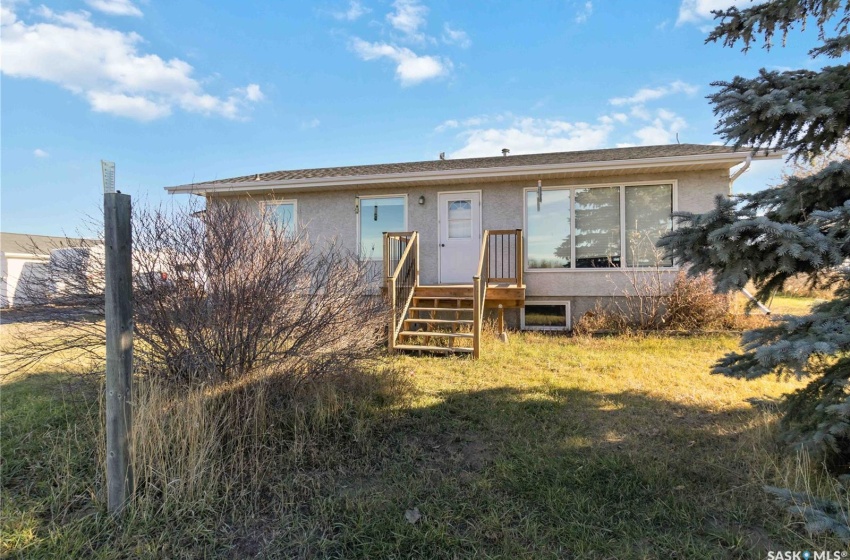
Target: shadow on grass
x=531, y=473
x=60, y=313
x=541, y=472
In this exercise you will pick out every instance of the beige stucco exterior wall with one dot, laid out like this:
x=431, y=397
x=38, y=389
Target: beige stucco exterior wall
x=331, y=215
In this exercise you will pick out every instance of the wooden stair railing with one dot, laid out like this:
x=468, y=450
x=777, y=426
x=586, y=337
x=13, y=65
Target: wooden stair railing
x=420, y=314
x=402, y=250
x=501, y=261
x=505, y=258
x=479, y=294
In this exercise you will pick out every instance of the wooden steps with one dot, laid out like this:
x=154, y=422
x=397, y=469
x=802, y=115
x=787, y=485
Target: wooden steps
x=448, y=322
x=439, y=309
x=434, y=334
x=437, y=349
x=444, y=314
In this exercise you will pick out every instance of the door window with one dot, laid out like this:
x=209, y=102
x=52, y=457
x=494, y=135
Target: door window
x=460, y=219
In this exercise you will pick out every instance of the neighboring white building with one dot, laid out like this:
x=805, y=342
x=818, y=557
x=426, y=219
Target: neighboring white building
x=25, y=260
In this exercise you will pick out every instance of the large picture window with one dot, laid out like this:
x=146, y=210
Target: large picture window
x=377, y=215
x=597, y=227
x=548, y=234
x=649, y=210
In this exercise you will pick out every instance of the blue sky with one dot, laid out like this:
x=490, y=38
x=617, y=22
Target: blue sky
x=181, y=91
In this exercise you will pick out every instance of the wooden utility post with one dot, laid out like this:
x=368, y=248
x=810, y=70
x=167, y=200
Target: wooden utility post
x=119, y=348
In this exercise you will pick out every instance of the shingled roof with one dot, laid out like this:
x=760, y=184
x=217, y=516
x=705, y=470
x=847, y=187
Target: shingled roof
x=42, y=244
x=554, y=158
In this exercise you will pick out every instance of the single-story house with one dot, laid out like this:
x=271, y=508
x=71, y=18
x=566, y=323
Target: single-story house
x=24, y=266
x=545, y=234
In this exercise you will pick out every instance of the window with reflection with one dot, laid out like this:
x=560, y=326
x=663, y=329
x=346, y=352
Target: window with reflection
x=282, y=214
x=597, y=228
x=378, y=215
x=649, y=215
x=548, y=235
x=460, y=219
x=595, y=239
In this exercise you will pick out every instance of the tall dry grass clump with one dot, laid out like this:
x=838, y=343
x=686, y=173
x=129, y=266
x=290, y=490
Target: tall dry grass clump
x=229, y=446
x=815, y=503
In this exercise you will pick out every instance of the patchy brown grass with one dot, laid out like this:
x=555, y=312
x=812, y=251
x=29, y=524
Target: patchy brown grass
x=548, y=447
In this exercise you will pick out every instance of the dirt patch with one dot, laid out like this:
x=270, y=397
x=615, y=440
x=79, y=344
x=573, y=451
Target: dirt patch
x=251, y=541
x=469, y=450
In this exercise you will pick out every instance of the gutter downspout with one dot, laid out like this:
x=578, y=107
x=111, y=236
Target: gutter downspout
x=740, y=172
x=759, y=304
x=737, y=174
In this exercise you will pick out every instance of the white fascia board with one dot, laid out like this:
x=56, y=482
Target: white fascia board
x=732, y=158
x=31, y=256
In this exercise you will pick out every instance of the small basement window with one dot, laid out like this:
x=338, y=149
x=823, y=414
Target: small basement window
x=546, y=316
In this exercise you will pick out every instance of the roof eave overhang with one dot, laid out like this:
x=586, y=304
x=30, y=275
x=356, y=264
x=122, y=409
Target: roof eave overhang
x=22, y=255
x=731, y=159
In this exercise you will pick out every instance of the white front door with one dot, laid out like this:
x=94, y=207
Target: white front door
x=460, y=236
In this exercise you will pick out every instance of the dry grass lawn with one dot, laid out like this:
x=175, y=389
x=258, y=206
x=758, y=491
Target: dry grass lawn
x=548, y=447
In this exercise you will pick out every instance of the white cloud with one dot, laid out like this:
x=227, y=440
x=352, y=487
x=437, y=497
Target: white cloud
x=651, y=94
x=699, y=11
x=132, y=106
x=447, y=125
x=452, y=36
x=486, y=135
x=662, y=129
x=105, y=67
x=38, y=152
x=524, y=135
x=585, y=12
x=640, y=112
x=408, y=21
x=312, y=123
x=614, y=118
x=354, y=11
x=115, y=7
x=251, y=92
x=411, y=68
x=470, y=122
x=408, y=17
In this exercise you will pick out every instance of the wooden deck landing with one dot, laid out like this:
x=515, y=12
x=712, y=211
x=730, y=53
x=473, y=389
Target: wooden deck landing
x=504, y=294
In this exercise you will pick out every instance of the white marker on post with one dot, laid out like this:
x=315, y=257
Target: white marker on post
x=108, y=170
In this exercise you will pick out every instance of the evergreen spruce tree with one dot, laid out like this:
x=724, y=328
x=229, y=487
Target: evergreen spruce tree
x=799, y=227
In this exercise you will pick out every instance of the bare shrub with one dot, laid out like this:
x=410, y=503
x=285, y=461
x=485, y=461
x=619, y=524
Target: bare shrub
x=244, y=292
x=651, y=302
x=692, y=304
x=217, y=294
x=654, y=298
x=600, y=320
x=802, y=286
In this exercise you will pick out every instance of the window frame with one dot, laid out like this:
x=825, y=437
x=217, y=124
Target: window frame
x=568, y=322
x=264, y=204
x=572, y=188
x=357, y=200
